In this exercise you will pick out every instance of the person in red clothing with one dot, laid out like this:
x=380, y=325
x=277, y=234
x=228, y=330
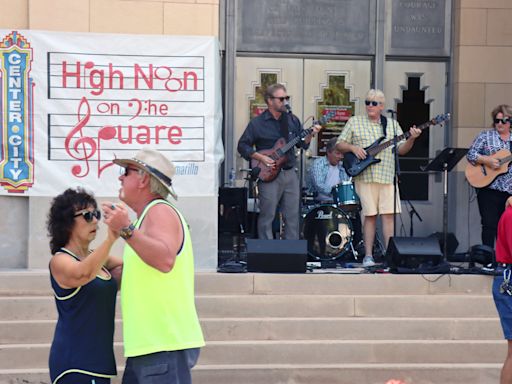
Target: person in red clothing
x=502, y=287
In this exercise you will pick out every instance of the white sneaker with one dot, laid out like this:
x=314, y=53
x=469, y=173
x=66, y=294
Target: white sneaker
x=368, y=261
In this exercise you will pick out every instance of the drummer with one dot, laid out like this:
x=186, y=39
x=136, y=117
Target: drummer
x=326, y=173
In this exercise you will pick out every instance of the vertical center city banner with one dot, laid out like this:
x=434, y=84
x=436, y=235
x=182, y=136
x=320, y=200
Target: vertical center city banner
x=72, y=102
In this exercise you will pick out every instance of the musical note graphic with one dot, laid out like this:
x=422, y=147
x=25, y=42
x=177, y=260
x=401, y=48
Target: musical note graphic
x=107, y=132
x=84, y=147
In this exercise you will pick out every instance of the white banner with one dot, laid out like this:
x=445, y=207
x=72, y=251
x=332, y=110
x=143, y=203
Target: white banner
x=71, y=102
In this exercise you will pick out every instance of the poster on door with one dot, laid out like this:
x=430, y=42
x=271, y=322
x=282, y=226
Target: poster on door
x=72, y=102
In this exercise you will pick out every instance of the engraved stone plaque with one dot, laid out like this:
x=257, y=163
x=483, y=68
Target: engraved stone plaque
x=306, y=26
x=419, y=27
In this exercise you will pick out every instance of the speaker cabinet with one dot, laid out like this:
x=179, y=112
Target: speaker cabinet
x=411, y=252
x=232, y=210
x=276, y=255
x=451, y=242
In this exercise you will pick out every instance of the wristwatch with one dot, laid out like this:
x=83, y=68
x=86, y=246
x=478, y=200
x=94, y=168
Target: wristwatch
x=127, y=232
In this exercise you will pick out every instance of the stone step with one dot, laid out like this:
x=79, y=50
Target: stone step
x=37, y=282
x=20, y=356
x=43, y=307
x=270, y=328
x=309, y=374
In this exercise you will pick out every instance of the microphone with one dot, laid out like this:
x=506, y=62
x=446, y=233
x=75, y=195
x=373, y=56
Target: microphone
x=392, y=111
x=287, y=106
x=253, y=173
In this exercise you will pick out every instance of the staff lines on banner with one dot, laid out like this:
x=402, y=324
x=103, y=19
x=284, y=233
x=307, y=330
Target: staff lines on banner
x=107, y=155
x=174, y=75
x=90, y=138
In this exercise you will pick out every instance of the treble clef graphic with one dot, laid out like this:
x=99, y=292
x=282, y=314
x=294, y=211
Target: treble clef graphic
x=84, y=147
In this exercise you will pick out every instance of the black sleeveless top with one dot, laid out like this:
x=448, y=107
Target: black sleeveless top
x=84, y=334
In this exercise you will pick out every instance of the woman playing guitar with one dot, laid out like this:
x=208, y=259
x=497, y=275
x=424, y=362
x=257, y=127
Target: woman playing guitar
x=485, y=157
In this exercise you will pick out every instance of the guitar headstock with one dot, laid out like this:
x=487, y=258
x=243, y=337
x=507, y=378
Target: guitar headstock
x=440, y=118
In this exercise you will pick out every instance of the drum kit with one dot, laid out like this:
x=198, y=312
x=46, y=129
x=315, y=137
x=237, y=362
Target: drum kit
x=327, y=227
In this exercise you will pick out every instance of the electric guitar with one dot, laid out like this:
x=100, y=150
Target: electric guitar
x=279, y=150
x=354, y=166
x=480, y=175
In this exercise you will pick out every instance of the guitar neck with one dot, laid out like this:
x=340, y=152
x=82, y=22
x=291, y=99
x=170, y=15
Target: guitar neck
x=373, y=151
x=301, y=135
x=296, y=139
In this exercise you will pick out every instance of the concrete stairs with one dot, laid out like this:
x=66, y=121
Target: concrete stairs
x=298, y=329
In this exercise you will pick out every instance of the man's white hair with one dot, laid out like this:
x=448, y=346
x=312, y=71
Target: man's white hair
x=377, y=95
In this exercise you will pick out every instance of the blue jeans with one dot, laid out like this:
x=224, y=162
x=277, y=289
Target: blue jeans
x=169, y=367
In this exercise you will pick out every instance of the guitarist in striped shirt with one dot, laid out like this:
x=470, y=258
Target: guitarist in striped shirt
x=491, y=198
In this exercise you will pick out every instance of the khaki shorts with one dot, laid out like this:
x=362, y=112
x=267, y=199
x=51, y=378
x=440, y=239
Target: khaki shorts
x=377, y=198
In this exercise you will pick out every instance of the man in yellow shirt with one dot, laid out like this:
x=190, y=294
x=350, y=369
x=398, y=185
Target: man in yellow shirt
x=161, y=330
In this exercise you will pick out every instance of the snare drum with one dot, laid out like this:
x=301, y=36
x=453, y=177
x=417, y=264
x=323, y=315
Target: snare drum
x=345, y=196
x=328, y=231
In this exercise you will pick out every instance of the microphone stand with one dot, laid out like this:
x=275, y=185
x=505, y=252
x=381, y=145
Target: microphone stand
x=236, y=265
x=397, y=170
x=301, y=165
x=412, y=212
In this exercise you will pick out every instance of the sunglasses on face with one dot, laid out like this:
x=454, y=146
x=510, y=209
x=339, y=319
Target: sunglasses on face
x=281, y=98
x=125, y=171
x=371, y=102
x=505, y=120
x=89, y=215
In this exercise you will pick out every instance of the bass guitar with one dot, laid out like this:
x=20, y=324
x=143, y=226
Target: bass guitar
x=279, y=150
x=354, y=166
x=480, y=175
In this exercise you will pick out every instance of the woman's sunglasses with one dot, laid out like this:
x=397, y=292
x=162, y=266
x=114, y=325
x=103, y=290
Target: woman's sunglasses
x=89, y=215
x=281, y=98
x=502, y=121
x=371, y=102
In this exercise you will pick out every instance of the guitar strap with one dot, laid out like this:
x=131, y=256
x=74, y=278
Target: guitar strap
x=384, y=123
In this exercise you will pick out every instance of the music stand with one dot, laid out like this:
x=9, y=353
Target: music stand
x=444, y=162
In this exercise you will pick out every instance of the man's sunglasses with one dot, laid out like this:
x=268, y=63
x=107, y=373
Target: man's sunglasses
x=371, y=102
x=89, y=215
x=281, y=98
x=502, y=121
x=125, y=171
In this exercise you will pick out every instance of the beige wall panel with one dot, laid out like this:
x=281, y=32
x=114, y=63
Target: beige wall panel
x=485, y=4
x=17, y=17
x=165, y=1
x=137, y=17
x=496, y=94
x=499, y=27
x=469, y=105
x=191, y=19
x=473, y=27
x=59, y=15
x=484, y=64
x=465, y=136
x=456, y=28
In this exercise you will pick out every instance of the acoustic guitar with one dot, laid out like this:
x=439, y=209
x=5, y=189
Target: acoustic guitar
x=480, y=175
x=354, y=166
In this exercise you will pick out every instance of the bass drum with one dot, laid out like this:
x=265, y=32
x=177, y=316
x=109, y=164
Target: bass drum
x=328, y=231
